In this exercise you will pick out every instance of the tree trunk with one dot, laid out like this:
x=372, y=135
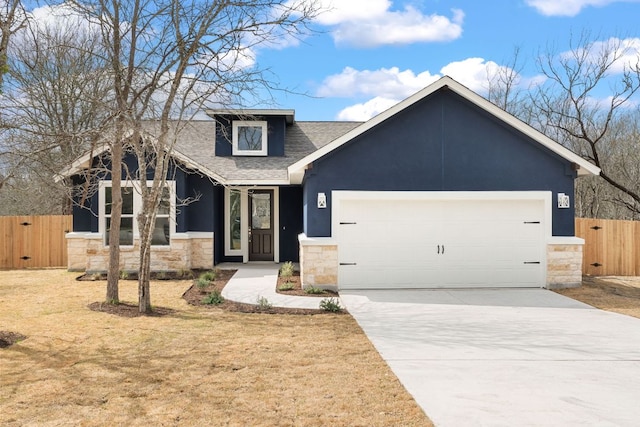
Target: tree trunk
x=113, y=274
x=144, y=273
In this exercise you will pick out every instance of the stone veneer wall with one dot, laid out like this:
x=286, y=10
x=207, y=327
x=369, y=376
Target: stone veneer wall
x=86, y=252
x=318, y=262
x=564, y=262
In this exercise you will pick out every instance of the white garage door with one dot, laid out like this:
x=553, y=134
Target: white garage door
x=440, y=243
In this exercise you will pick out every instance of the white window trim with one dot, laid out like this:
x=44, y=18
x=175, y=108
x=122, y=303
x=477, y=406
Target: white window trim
x=236, y=151
x=137, y=205
x=244, y=223
x=244, y=213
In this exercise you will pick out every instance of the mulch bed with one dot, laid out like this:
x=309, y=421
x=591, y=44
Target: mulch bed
x=8, y=338
x=124, y=309
x=195, y=296
x=297, y=287
x=133, y=275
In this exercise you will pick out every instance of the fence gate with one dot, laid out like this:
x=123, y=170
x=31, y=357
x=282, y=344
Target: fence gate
x=34, y=241
x=612, y=247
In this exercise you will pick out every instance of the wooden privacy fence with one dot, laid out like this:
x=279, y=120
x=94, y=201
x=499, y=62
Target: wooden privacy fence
x=34, y=241
x=612, y=247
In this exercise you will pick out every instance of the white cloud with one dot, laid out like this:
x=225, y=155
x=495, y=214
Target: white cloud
x=363, y=112
x=568, y=7
x=369, y=23
x=388, y=86
x=474, y=73
x=390, y=83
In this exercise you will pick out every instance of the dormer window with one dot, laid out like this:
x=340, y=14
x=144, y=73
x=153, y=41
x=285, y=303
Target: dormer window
x=249, y=138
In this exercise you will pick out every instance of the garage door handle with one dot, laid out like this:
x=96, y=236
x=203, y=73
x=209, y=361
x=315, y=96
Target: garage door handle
x=442, y=249
x=532, y=262
x=348, y=263
x=438, y=248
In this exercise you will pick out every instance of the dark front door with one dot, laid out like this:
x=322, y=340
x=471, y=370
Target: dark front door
x=261, y=225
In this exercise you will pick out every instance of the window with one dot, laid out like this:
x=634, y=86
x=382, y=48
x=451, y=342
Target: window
x=126, y=222
x=235, y=225
x=235, y=220
x=131, y=205
x=249, y=138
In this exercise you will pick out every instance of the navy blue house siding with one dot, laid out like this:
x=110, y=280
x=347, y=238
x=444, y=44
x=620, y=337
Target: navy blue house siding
x=191, y=217
x=441, y=143
x=291, y=224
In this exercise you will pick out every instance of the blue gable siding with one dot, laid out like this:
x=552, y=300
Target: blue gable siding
x=276, y=129
x=85, y=218
x=291, y=224
x=199, y=214
x=441, y=143
x=196, y=216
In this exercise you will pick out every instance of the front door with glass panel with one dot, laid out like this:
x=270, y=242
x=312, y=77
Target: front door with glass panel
x=261, y=232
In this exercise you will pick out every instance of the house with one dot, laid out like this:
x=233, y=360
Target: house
x=442, y=190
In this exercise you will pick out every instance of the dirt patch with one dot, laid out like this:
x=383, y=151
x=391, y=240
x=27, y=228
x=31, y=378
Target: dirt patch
x=617, y=294
x=8, y=338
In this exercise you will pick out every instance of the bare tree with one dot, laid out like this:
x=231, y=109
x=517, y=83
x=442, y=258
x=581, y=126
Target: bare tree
x=168, y=59
x=572, y=109
x=54, y=105
x=12, y=19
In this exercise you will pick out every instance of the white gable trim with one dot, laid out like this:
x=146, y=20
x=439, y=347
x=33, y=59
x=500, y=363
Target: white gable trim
x=84, y=162
x=81, y=163
x=296, y=171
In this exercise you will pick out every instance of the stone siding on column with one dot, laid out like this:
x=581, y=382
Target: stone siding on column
x=318, y=263
x=564, y=264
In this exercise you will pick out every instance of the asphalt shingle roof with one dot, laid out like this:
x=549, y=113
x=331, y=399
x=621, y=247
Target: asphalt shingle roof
x=196, y=142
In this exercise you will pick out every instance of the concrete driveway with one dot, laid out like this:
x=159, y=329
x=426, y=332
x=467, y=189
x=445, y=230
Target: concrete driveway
x=510, y=357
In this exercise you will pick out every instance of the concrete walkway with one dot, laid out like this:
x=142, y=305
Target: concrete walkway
x=253, y=281
x=506, y=357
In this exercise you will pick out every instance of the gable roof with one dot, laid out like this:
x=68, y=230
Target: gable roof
x=296, y=170
x=195, y=148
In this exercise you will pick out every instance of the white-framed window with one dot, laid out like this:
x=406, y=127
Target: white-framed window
x=235, y=227
x=249, y=138
x=131, y=206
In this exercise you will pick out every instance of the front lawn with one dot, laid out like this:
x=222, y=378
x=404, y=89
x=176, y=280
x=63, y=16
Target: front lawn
x=190, y=367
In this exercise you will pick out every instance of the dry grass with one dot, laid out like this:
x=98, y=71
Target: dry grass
x=193, y=367
x=617, y=294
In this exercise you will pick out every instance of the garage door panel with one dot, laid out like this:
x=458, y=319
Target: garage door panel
x=436, y=243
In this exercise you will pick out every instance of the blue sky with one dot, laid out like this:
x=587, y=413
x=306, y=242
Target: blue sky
x=369, y=54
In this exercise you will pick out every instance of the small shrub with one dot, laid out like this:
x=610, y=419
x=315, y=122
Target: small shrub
x=286, y=286
x=313, y=290
x=330, y=304
x=124, y=275
x=214, y=298
x=202, y=283
x=96, y=276
x=263, y=303
x=209, y=275
x=184, y=273
x=286, y=270
x=162, y=275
